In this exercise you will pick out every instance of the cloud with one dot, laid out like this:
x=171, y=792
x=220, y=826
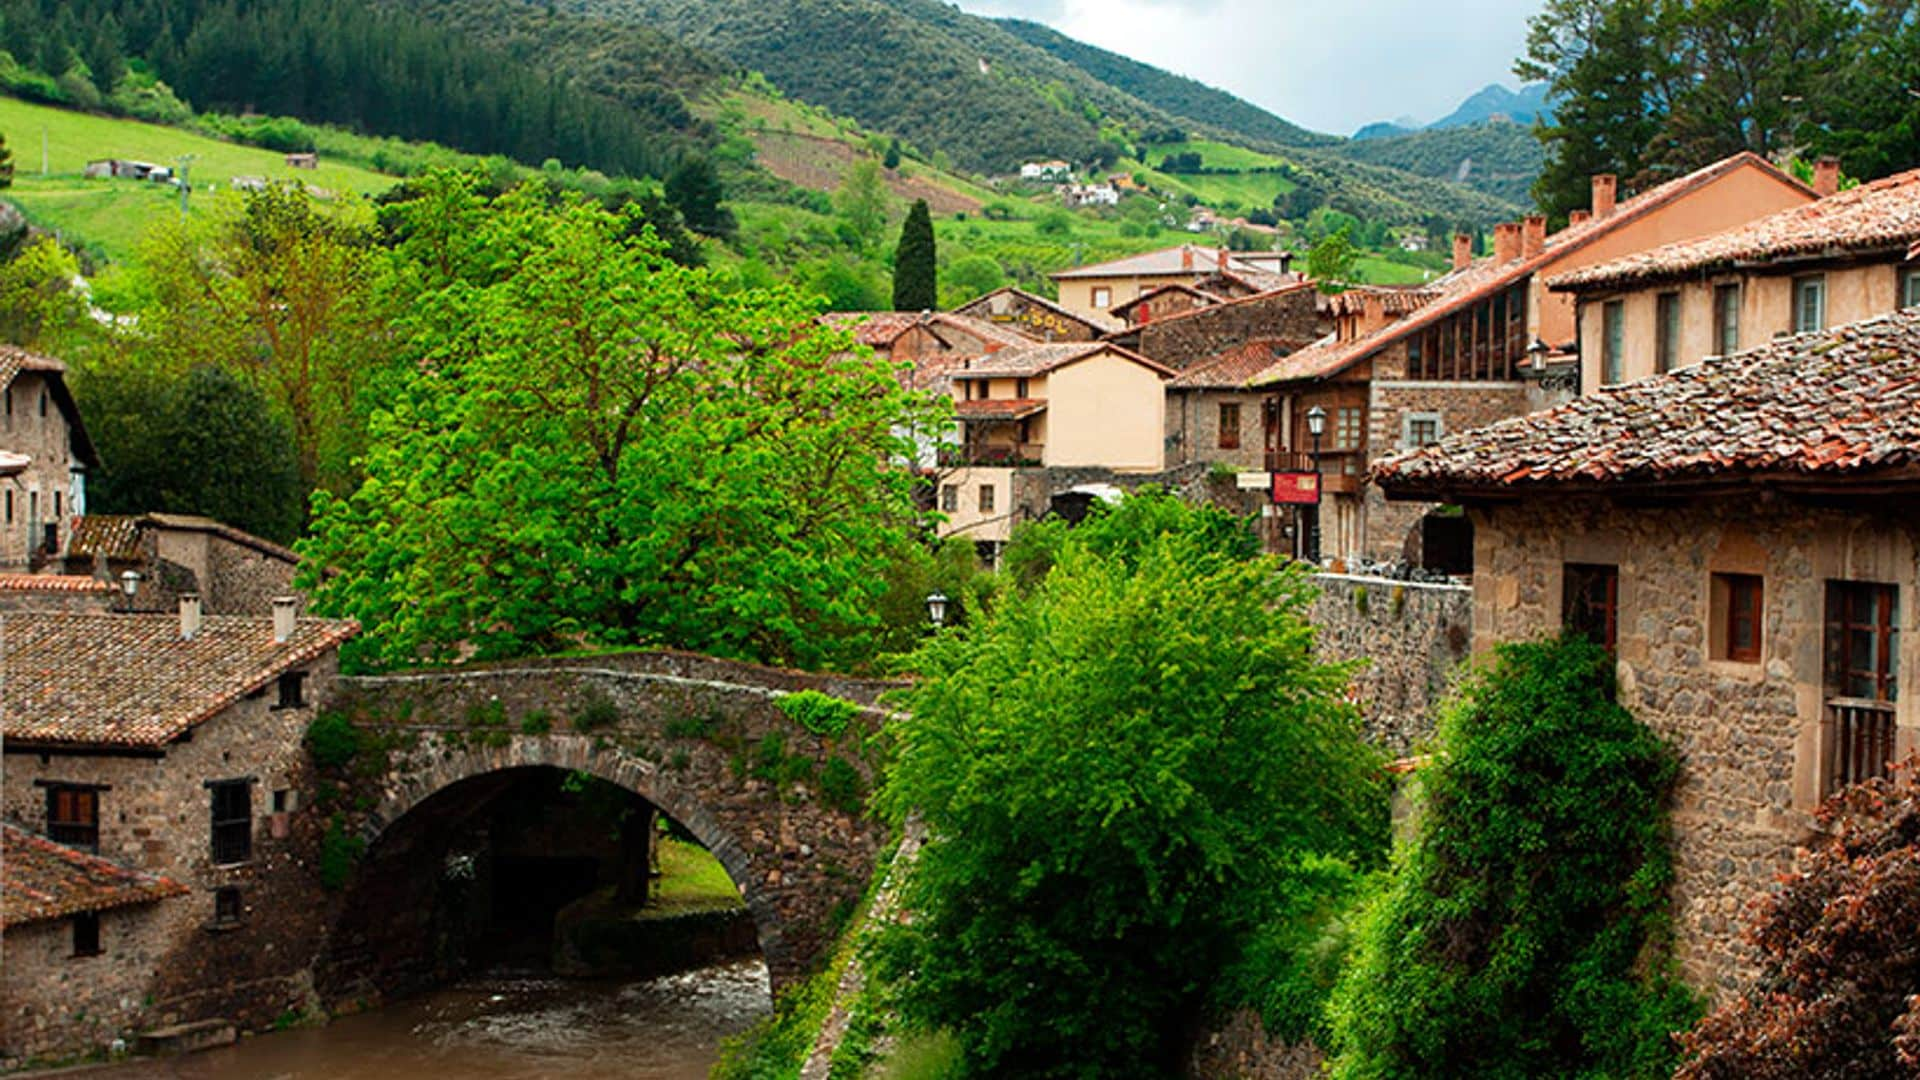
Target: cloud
x=1328, y=66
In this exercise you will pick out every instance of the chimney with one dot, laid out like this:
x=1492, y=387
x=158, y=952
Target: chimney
x=1604, y=188
x=189, y=616
x=1533, y=235
x=1373, y=313
x=1506, y=242
x=1186, y=257
x=1224, y=256
x=1826, y=176
x=1578, y=217
x=1462, y=250
x=284, y=610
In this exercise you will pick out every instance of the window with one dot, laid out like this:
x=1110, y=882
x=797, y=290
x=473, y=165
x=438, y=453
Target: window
x=1862, y=640
x=9, y=507
x=293, y=687
x=43, y=404
x=1736, y=605
x=1726, y=319
x=1590, y=602
x=226, y=907
x=949, y=498
x=56, y=504
x=232, y=820
x=1809, y=303
x=73, y=815
x=1020, y=389
x=1910, y=288
x=1229, y=425
x=1666, y=332
x=1346, y=430
x=86, y=934
x=986, y=498
x=282, y=800
x=1102, y=297
x=1612, y=316
x=1420, y=429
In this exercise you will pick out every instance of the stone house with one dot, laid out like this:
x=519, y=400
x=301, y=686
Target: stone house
x=1292, y=313
x=912, y=337
x=232, y=571
x=1211, y=414
x=1405, y=367
x=1741, y=534
x=169, y=745
x=1841, y=259
x=1035, y=316
x=44, y=458
x=1158, y=303
x=1045, y=411
x=1099, y=287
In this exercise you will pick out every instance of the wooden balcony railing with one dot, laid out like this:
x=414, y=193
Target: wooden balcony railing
x=1024, y=454
x=1859, y=737
x=1340, y=470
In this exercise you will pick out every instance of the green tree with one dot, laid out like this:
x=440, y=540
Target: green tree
x=892, y=158
x=862, y=202
x=1524, y=930
x=1106, y=828
x=594, y=444
x=1867, y=116
x=6, y=163
x=1331, y=263
x=203, y=444
x=968, y=277
x=37, y=297
x=915, y=282
x=694, y=189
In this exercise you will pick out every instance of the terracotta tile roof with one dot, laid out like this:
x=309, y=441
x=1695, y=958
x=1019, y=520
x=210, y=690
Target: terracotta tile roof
x=61, y=583
x=874, y=329
x=1206, y=298
x=1393, y=300
x=14, y=360
x=1181, y=259
x=117, y=536
x=1098, y=322
x=1037, y=359
x=1231, y=369
x=1841, y=402
x=115, y=680
x=41, y=880
x=1880, y=216
x=1484, y=278
x=1269, y=294
x=1000, y=408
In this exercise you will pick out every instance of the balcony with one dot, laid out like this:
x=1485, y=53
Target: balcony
x=1014, y=455
x=1340, y=470
x=1858, y=734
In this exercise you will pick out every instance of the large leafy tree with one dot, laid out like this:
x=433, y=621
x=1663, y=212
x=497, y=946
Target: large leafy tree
x=1839, y=990
x=694, y=189
x=1523, y=931
x=915, y=283
x=1123, y=772
x=594, y=444
x=861, y=200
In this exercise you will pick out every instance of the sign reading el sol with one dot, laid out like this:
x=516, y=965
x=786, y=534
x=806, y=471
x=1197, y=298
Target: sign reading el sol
x=1296, y=487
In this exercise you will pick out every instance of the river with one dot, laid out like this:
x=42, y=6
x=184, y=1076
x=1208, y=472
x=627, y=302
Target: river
x=503, y=1027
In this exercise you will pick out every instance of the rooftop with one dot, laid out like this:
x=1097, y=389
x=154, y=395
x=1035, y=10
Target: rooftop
x=1231, y=369
x=1883, y=215
x=117, y=536
x=1808, y=410
x=1096, y=321
x=1000, y=408
x=880, y=329
x=53, y=583
x=1180, y=259
x=1206, y=298
x=130, y=681
x=41, y=880
x=1034, y=359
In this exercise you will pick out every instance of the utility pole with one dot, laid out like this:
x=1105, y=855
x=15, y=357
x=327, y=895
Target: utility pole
x=185, y=161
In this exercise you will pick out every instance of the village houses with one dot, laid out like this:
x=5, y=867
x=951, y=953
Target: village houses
x=1739, y=533
x=1102, y=286
x=44, y=458
x=1405, y=367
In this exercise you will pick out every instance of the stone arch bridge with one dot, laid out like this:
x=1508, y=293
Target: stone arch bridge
x=700, y=739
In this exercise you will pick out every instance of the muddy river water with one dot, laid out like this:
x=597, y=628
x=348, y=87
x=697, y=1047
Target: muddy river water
x=504, y=1027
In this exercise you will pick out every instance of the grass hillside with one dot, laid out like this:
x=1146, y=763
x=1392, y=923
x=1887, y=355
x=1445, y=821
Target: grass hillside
x=106, y=217
x=1498, y=157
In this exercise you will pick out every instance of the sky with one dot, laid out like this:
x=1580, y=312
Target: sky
x=1330, y=65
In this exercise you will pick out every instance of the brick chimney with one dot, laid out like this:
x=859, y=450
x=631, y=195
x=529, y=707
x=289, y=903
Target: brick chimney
x=285, y=608
x=1462, y=251
x=189, y=616
x=1826, y=176
x=1373, y=313
x=1605, y=186
x=1533, y=235
x=1506, y=242
x=1578, y=217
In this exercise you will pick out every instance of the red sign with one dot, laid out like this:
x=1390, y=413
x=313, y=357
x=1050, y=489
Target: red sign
x=1296, y=487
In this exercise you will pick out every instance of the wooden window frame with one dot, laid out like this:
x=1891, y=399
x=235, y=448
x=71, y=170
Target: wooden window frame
x=1739, y=602
x=231, y=835
x=74, y=831
x=1666, y=332
x=1842, y=621
x=1102, y=296
x=1802, y=285
x=1726, y=320
x=949, y=498
x=1229, y=429
x=985, y=500
x=292, y=689
x=1613, y=337
x=1577, y=601
x=1909, y=288
x=86, y=935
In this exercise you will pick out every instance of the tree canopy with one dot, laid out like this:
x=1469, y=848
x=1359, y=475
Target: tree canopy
x=915, y=282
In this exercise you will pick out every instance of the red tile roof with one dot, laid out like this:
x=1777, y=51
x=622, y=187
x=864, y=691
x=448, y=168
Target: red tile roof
x=130, y=681
x=1484, y=279
x=1842, y=403
x=1231, y=369
x=1095, y=321
x=1206, y=298
x=41, y=880
x=1000, y=408
x=1268, y=294
x=1882, y=216
x=117, y=536
x=65, y=583
x=1180, y=259
x=1036, y=359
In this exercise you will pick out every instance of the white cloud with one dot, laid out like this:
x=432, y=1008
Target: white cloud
x=1331, y=66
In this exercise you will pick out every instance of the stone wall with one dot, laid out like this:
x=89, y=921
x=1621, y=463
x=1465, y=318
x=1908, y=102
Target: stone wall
x=1239, y=1048
x=1750, y=735
x=1408, y=637
x=1393, y=527
x=55, y=1004
x=1193, y=428
x=1185, y=340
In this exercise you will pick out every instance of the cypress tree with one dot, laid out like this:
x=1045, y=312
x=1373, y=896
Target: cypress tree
x=915, y=287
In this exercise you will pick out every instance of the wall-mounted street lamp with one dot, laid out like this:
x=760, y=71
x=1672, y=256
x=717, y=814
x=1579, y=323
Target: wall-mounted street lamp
x=1316, y=427
x=1537, y=356
x=937, y=609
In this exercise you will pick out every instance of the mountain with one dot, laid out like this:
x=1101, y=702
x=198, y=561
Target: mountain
x=1176, y=94
x=1497, y=156
x=1521, y=106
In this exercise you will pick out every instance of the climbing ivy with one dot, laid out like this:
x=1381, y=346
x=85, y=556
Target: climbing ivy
x=823, y=714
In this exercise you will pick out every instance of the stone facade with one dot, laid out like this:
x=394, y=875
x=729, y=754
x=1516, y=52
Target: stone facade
x=1193, y=428
x=1182, y=341
x=1408, y=638
x=233, y=572
x=53, y=1003
x=1238, y=1047
x=1392, y=528
x=35, y=421
x=1751, y=736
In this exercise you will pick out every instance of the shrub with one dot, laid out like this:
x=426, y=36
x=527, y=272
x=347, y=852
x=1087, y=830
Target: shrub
x=1524, y=931
x=340, y=852
x=841, y=786
x=332, y=740
x=596, y=712
x=823, y=714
